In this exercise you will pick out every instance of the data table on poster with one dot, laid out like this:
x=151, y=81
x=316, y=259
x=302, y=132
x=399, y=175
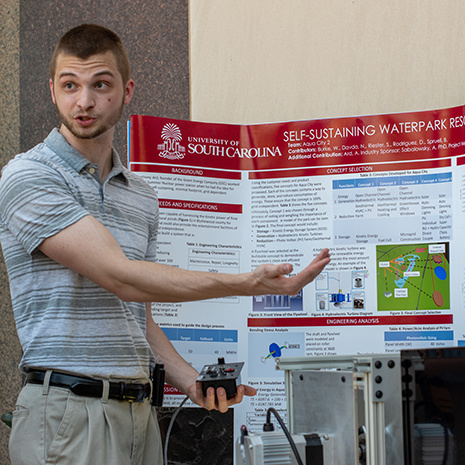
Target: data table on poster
x=215, y=261
x=399, y=340
x=201, y=346
x=393, y=209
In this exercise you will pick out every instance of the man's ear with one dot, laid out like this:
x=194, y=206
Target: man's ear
x=52, y=92
x=128, y=91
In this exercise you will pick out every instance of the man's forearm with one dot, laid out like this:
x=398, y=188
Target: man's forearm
x=154, y=282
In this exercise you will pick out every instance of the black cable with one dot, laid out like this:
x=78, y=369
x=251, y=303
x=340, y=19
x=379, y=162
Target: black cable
x=244, y=433
x=446, y=444
x=286, y=432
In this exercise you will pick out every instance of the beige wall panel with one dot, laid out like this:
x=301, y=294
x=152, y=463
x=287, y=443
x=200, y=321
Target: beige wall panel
x=277, y=60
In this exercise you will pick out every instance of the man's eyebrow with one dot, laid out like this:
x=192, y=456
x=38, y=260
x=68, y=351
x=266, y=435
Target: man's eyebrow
x=66, y=74
x=105, y=73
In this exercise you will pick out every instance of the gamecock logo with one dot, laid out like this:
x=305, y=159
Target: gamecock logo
x=171, y=147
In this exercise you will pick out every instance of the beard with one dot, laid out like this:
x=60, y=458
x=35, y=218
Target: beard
x=102, y=126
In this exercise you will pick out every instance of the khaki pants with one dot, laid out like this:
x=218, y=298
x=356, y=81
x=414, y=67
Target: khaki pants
x=54, y=426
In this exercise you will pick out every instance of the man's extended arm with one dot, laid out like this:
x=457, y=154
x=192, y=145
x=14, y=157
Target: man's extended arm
x=88, y=248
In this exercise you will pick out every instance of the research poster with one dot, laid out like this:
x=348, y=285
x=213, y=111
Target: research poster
x=385, y=193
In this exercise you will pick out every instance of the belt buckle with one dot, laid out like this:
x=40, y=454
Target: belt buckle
x=137, y=395
x=122, y=393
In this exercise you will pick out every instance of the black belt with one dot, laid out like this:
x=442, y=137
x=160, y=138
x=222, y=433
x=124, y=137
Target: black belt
x=92, y=387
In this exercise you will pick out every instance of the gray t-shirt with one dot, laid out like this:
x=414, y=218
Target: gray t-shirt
x=65, y=321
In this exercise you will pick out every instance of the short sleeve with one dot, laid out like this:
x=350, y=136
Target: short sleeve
x=36, y=202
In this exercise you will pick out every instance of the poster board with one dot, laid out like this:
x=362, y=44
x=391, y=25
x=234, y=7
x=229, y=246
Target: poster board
x=386, y=194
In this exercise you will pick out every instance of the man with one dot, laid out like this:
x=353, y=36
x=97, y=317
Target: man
x=78, y=232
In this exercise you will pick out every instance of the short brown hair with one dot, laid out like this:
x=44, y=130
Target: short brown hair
x=86, y=40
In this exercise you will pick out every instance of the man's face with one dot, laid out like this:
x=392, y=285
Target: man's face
x=89, y=94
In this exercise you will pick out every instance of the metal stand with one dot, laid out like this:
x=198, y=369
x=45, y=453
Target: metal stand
x=354, y=402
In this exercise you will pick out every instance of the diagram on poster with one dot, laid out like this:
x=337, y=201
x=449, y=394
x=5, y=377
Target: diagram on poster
x=264, y=348
x=278, y=302
x=341, y=290
x=413, y=276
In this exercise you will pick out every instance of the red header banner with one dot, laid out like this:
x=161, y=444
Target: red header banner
x=398, y=138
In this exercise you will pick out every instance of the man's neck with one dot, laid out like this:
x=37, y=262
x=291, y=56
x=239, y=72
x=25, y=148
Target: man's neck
x=97, y=150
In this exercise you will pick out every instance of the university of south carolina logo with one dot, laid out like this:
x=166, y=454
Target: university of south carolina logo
x=171, y=147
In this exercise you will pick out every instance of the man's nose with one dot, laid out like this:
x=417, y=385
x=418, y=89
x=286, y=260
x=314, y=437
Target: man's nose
x=85, y=98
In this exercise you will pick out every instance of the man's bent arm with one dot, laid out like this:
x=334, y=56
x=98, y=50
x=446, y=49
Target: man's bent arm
x=88, y=248
x=183, y=376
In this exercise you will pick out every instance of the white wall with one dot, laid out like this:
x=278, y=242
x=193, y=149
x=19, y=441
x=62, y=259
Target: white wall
x=278, y=60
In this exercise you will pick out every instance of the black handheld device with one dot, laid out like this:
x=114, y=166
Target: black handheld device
x=158, y=385
x=221, y=375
